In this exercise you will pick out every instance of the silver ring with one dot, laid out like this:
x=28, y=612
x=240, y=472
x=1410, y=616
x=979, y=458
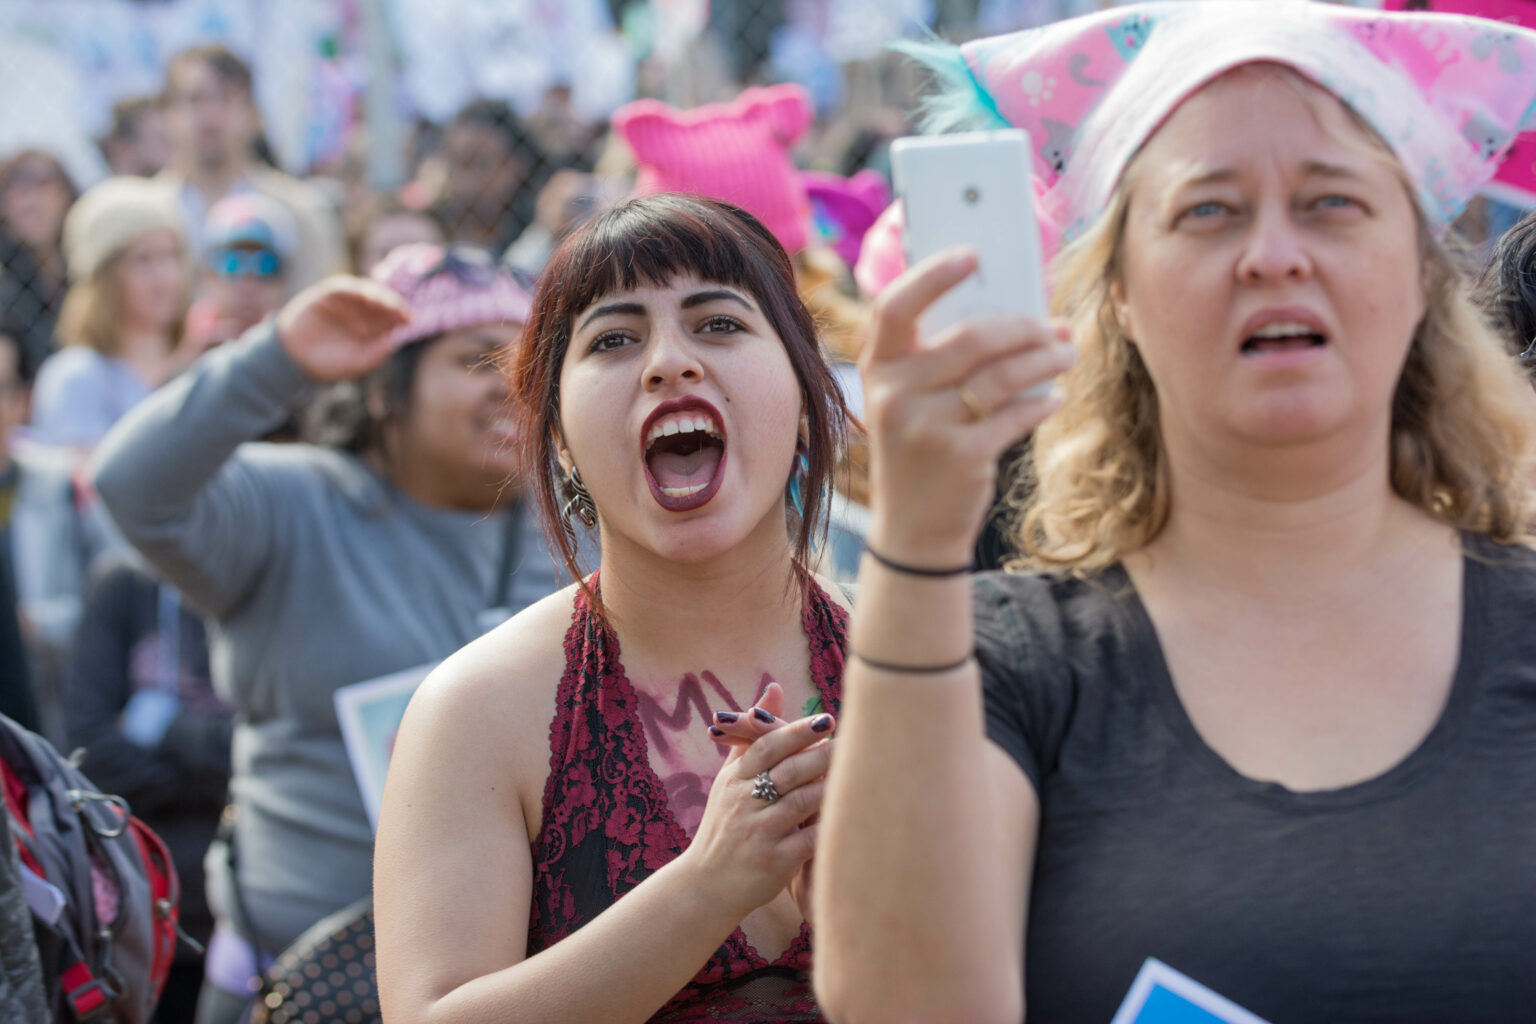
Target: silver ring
x=764, y=789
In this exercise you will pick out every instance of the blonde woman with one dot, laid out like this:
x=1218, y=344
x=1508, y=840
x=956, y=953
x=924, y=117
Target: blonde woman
x=122, y=317
x=1263, y=705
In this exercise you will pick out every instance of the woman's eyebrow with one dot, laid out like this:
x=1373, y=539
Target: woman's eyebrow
x=614, y=308
x=1324, y=169
x=1309, y=168
x=696, y=299
x=714, y=295
x=1204, y=176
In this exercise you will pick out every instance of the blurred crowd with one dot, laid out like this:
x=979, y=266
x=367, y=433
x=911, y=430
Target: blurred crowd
x=111, y=291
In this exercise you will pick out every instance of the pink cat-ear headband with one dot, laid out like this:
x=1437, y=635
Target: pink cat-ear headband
x=1448, y=93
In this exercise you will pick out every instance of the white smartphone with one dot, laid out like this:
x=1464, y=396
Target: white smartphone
x=974, y=188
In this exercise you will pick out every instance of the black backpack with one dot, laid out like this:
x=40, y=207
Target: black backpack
x=103, y=891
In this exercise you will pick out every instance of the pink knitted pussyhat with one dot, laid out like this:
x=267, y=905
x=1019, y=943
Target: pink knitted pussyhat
x=844, y=209
x=737, y=151
x=449, y=288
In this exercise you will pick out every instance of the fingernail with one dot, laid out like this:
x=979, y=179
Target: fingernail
x=762, y=716
x=821, y=723
x=1064, y=332
x=726, y=717
x=716, y=731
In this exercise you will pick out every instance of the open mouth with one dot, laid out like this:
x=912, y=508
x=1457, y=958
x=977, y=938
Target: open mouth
x=1283, y=337
x=684, y=447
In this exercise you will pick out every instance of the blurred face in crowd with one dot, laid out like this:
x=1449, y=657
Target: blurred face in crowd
x=152, y=276
x=483, y=174
x=210, y=121
x=456, y=438
x=245, y=283
x=145, y=151
x=1272, y=271
x=36, y=196
x=569, y=198
x=13, y=393
x=558, y=125
x=395, y=229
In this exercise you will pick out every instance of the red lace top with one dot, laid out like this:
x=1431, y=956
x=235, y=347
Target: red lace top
x=607, y=824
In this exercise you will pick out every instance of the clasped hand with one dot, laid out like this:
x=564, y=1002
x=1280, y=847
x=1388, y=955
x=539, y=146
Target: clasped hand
x=755, y=848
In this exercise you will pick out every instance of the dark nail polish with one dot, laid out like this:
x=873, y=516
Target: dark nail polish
x=762, y=716
x=726, y=717
x=821, y=723
x=716, y=731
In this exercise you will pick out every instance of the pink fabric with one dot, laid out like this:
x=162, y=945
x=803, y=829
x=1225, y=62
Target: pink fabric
x=1517, y=12
x=250, y=218
x=882, y=258
x=443, y=302
x=843, y=209
x=1515, y=181
x=737, y=151
x=1448, y=93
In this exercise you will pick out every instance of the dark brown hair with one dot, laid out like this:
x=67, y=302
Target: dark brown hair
x=230, y=69
x=650, y=241
x=126, y=116
x=13, y=164
x=1506, y=288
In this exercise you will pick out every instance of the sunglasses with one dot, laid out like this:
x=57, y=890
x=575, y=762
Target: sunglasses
x=245, y=262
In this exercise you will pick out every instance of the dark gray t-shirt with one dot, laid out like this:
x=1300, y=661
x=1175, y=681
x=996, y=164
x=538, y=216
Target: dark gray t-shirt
x=1408, y=897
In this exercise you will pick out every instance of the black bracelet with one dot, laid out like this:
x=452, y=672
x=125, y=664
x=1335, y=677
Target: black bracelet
x=915, y=570
x=912, y=670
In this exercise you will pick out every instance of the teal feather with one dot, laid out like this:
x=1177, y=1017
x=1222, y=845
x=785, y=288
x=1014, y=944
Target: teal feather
x=957, y=102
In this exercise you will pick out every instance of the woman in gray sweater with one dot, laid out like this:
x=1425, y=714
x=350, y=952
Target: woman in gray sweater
x=322, y=566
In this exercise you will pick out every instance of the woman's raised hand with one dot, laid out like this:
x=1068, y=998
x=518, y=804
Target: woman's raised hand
x=338, y=329
x=941, y=413
x=748, y=848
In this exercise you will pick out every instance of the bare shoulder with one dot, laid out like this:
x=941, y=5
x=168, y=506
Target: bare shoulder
x=503, y=664
x=490, y=703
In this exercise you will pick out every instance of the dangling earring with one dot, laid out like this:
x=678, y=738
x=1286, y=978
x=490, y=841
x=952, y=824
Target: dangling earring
x=797, y=478
x=579, y=505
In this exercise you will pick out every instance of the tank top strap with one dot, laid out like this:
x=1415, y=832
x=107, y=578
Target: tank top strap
x=826, y=630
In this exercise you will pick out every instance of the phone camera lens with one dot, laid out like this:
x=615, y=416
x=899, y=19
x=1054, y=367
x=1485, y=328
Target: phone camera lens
x=972, y=194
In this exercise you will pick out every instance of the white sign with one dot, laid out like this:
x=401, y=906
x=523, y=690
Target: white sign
x=370, y=714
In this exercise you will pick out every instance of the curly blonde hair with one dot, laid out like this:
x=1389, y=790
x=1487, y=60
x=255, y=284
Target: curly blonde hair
x=1096, y=487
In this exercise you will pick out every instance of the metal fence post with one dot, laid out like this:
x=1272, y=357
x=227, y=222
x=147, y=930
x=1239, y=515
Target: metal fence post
x=385, y=137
